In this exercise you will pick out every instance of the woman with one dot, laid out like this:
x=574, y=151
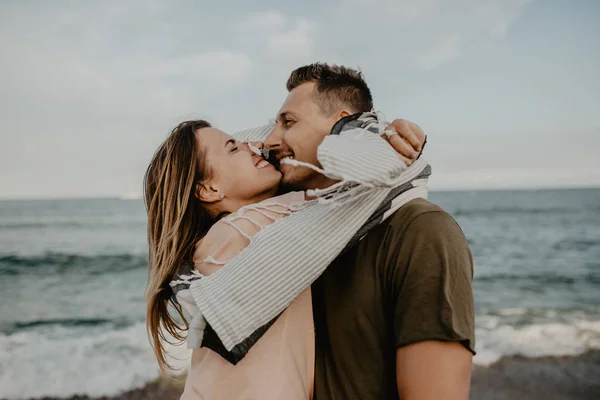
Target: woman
x=198, y=176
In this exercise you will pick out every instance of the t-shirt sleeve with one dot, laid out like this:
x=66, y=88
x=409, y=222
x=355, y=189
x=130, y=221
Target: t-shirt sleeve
x=430, y=270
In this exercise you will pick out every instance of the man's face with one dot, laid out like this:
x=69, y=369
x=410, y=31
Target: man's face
x=300, y=129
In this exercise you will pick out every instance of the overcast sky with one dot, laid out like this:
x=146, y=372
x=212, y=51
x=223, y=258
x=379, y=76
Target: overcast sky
x=507, y=90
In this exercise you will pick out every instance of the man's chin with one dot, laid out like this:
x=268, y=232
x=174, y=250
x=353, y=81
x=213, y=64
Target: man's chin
x=290, y=186
x=295, y=178
x=290, y=181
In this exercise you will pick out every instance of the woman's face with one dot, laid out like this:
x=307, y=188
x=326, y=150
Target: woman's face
x=237, y=172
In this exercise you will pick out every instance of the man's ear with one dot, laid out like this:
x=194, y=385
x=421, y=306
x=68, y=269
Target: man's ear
x=207, y=193
x=341, y=114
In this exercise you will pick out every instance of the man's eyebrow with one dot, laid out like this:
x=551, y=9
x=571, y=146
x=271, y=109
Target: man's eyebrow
x=284, y=114
x=230, y=141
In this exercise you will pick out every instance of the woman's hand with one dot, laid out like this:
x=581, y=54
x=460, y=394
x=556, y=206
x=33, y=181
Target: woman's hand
x=407, y=138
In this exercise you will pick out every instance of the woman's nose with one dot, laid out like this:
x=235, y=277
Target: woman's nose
x=258, y=145
x=255, y=147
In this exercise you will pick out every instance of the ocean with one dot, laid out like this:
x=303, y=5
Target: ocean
x=73, y=275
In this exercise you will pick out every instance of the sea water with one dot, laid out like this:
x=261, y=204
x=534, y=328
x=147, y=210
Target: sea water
x=73, y=275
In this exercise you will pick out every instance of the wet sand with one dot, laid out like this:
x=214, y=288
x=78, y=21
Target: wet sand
x=547, y=378
x=514, y=378
x=162, y=389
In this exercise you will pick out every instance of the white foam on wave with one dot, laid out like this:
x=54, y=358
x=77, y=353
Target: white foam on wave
x=63, y=362
x=496, y=337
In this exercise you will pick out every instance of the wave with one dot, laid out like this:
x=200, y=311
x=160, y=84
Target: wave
x=543, y=278
x=62, y=322
x=40, y=225
x=108, y=361
x=79, y=224
x=60, y=262
x=576, y=244
x=19, y=326
x=504, y=333
x=72, y=361
x=487, y=212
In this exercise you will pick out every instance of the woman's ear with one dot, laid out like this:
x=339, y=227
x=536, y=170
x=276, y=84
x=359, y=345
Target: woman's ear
x=207, y=193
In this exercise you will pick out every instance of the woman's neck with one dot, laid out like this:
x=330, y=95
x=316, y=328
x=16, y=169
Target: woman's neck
x=229, y=205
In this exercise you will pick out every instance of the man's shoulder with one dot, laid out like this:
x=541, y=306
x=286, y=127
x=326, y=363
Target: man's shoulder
x=420, y=224
x=420, y=210
x=418, y=206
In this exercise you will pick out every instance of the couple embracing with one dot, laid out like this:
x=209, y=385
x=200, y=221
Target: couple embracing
x=301, y=260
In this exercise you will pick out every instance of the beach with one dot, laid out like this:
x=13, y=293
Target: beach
x=512, y=378
x=73, y=275
x=547, y=378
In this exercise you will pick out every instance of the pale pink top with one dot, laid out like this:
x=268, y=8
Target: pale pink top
x=281, y=364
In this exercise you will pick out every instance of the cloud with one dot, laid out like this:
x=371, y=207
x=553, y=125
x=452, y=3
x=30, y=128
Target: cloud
x=223, y=66
x=295, y=42
x=89, y=64
x=401, y=11
x=89, y=91
x=269, y=19
x=420, y=34
x=511, y=178
x=284, y=37
x=83, y=106
x=445, y=49
x=500, y=14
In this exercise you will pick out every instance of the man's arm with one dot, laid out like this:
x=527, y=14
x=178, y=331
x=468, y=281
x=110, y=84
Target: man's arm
x=433, y=370
x=430, y=283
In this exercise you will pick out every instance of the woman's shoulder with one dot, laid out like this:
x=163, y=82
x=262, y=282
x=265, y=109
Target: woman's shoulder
x=221, y=238
x=229, y=236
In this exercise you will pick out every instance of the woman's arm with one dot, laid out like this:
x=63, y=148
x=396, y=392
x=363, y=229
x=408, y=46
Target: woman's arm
x=407, y=138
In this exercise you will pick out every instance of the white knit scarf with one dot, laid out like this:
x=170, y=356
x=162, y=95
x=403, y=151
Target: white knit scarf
x=243, y=298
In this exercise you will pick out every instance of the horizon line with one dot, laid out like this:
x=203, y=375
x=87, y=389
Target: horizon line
x=440, y=190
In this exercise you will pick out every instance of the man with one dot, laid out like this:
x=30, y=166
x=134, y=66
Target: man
x=394, y=316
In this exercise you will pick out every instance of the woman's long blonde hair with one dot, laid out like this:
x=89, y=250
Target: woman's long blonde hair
x=176, y=221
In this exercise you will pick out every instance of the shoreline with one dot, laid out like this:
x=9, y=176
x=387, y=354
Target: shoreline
x=514, y=377
x=574, y=377
x=160, y=389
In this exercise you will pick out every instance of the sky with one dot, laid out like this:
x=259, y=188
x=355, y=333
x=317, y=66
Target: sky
x=508, y=91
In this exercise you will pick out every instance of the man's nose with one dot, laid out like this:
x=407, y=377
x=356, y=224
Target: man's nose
x=273, y=141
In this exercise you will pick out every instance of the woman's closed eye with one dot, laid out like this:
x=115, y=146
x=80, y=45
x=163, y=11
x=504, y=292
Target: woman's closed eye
x=233, y=145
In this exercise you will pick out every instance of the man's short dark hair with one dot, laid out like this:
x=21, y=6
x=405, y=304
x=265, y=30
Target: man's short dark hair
x=337, y=87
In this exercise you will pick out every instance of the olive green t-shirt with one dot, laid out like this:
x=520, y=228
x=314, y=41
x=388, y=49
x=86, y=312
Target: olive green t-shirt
x=407, y=281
